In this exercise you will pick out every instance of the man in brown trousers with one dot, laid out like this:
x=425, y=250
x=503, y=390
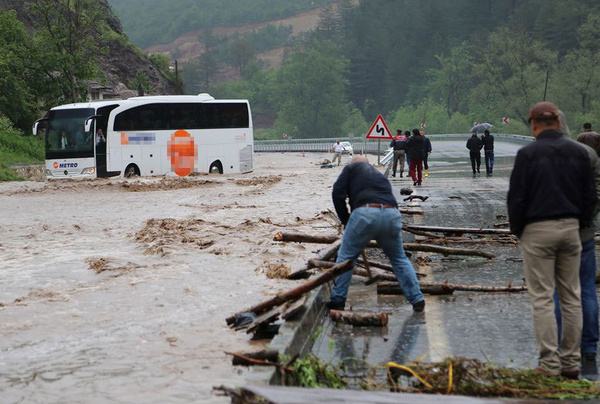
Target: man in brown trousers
x=551, y=192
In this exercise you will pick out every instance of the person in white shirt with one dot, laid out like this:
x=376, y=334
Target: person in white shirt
x=64, y=141
x=337, y=152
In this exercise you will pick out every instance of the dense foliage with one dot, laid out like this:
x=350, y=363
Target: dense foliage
x=150, y=22
x=17, y=149
x=449, y=64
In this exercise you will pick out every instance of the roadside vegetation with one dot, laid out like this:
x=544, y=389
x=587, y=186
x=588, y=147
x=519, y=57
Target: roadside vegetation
x=15, y=148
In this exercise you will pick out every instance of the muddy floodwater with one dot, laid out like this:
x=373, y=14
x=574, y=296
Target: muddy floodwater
x=117, y=290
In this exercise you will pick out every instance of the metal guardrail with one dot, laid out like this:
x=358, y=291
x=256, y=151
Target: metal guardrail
x=359, y=144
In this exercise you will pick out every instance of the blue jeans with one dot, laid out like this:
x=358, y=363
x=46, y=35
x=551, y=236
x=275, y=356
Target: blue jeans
x=385, y=226
x=489, y=160
x=589, y=300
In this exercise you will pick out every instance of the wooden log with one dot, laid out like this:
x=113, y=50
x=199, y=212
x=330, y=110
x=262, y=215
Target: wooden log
x=264, y=318
x=392, y=288
x=324, y=255
x=304, y=238
x=359, y=318
x=295, y=293
x=457, y=230
x=255, y=358
x=360, y=272
x=441, y=250
x=387, y=268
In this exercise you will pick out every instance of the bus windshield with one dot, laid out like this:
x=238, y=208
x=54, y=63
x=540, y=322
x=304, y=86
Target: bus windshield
x=66, y=136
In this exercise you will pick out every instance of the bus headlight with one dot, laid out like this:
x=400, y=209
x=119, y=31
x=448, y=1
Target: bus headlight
x=89, y=170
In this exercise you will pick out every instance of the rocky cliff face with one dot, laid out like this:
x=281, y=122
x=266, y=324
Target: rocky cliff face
x=123, y=60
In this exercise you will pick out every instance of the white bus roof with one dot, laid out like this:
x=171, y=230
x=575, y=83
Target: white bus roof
x=91, y=104
x=146, y=99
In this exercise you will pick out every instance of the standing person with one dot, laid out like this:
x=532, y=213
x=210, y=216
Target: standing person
x=474, y=145
x=100, y=137
x=589, y=137
x=374, y=216
x=551, y=192
x=426, y=152
x=399, y=145
x=587, y=274
x=415, y=147
x=337, y=152
x=488, y=151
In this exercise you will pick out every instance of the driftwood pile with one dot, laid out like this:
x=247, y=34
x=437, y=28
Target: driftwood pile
x=288, y=304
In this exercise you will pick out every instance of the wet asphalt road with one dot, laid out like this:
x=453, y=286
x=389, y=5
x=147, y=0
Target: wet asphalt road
x=490, y=327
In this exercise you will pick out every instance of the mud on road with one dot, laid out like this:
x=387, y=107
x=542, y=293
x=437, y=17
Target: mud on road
x=117, y=290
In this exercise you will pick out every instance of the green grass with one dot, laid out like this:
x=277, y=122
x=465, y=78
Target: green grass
x=15, y=148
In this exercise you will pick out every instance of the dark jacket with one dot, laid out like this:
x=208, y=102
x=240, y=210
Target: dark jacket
x=361, y=183
x=398, y=143
x=552, y=178
x=488, y=142
x=415, y=147
x=474, y=144
x=426, y=146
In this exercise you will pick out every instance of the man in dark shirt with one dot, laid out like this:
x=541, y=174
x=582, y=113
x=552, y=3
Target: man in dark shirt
x=415, y=148
x=551, y=192
x=474, y=145
x=488, y=151
x=375, y=216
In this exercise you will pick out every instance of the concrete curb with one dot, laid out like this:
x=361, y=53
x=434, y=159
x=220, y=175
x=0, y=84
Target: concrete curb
x=294, y=337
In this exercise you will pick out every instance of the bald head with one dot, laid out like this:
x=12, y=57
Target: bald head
x=359, y=158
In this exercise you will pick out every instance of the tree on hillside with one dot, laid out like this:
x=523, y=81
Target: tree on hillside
x=241, y=52
x=17, y=83
x=512, y=71
x=451, y=83
x=311, y=92
x=67, y=44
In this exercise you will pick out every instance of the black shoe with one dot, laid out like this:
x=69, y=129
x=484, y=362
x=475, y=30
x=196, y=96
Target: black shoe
x=393, y=175
x=478, y=171
x=401, y=175
x=414, y=183
x=336, y=305
x=570, y=374
x=419, y=306
x=419, y=183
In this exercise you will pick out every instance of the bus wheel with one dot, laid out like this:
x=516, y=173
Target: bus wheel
x=131, y=171
x=216, y=168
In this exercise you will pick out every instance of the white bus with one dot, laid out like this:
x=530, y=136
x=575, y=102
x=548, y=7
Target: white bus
x=157, y=135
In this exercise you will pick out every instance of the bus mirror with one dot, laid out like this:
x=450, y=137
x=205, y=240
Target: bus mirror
x=89, y=121
x=36, y=125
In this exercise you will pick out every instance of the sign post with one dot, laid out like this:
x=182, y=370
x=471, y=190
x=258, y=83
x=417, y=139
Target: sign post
x=379, y=131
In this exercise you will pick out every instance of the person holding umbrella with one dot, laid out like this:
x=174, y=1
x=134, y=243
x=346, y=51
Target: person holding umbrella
x=474, y=144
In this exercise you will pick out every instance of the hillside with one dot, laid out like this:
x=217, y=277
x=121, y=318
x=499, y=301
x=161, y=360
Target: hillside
x=122, y=61
x=152, y=22
x=188, y=45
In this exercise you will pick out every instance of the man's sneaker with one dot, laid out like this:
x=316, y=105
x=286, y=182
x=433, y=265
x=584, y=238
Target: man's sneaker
x=426, y=173
x=419, y=306
x=339, y=305
x=572, y=374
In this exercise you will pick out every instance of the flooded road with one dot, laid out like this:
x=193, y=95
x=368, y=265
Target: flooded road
x=117, y=291
x=496, y=328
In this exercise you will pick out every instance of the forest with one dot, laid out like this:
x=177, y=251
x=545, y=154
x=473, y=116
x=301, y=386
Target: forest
x=445, y=64
x=151, y=22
